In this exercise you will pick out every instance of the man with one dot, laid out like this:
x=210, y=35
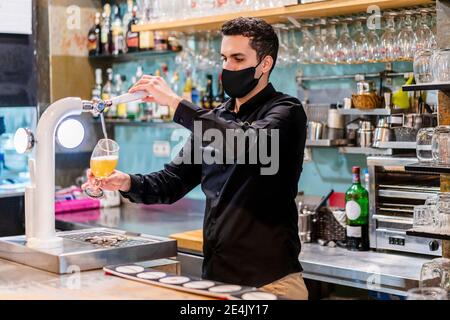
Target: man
x=250, y=224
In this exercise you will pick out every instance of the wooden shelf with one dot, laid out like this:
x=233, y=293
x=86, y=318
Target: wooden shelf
x=309, y=10
x=130, y=56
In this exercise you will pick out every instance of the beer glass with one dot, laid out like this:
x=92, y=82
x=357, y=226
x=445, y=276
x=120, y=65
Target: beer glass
x=104, y=160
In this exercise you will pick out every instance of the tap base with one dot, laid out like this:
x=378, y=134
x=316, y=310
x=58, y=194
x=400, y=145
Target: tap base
x=51, y=243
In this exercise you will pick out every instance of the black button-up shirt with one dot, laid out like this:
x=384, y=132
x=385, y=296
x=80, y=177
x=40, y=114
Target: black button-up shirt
x=250, y=224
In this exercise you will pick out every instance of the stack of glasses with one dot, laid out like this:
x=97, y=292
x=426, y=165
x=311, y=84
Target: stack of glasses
x=434, y=215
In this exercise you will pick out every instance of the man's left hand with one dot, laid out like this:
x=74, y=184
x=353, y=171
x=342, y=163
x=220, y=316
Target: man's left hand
x=158, y=91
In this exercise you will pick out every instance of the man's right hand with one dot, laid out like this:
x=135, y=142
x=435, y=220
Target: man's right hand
x=117, y=181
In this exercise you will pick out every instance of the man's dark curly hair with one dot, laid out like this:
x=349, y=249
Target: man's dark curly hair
x=263, y=38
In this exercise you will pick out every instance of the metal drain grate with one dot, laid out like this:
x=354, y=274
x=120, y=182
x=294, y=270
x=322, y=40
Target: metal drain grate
x=87, y=236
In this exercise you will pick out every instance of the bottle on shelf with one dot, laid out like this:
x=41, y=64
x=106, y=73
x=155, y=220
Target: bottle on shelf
x=107, y=92
x=105, y=32
x=133, y=107
x=94, y=37
x=132, y=38
x=121, y=109
x=162, y=112
x=219, y=98
x=208, y=96
x=187, y=90
x=146, y=38
x=161, y=41
x=97, y=90
x=117, y=32
x=126, y=19
x=357, y=211
x=195, y=94
x=143, y=106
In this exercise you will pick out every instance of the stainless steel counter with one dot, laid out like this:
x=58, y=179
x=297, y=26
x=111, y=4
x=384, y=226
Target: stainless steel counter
x=384, y=272
x=391, y=273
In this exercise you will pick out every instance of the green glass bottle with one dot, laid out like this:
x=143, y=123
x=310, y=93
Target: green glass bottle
x=357, y=211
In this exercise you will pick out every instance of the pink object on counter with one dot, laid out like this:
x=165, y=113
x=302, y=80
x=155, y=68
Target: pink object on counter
x=76, y=205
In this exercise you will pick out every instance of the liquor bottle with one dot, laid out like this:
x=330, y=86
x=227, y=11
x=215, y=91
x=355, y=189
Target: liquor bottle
x=195, y=94
x=187, y=90
x=107, y=93
x=94, y=44
x=105, y=33
x=208, y=97
x=117, y=32
x=143, y=106
x=121, y=109
x=146, y=38
x=97, y=90
x=133, y=107
x=126, y=19
x=357, y=211
x=220, y=96
x=132, y=38
x=162, y=112
x=161, y=41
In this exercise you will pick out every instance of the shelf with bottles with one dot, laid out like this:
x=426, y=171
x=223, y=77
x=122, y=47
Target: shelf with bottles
x=111, y=36
x=428, y=233
x=280, y=14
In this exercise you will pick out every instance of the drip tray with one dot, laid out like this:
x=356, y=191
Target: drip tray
x=88, y=249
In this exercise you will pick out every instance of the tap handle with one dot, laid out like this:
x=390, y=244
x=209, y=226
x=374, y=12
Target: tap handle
x=127, y=97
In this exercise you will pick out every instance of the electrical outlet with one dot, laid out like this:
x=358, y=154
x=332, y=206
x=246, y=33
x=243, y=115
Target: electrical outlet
x=161, y=148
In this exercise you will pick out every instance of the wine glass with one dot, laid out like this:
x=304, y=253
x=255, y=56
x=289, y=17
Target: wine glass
x=317, y=48
x=345, y=45
x=330, y=44
x=104, y=160
x=425, y=37
x=360, y=41
x=389, y=47
x=283, y=50
x=407, y=38
x=305, y=45
x=373, y=46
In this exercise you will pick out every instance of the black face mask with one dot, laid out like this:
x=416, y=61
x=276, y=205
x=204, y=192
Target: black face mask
x=238, y=84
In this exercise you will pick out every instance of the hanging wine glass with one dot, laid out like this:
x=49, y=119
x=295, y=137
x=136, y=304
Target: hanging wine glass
x=373, y=44
x=360, y=41
x=389, y=47
x=425, y=37
x=317, y=48
x=214, y=58
x=407, y=38
x=186, y=57
x=283, y=50
x=305, y=45
x=345, y=45
x=330, y=44
x=293, y=44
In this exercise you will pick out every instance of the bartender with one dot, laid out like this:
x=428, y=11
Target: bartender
x=250, y=224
